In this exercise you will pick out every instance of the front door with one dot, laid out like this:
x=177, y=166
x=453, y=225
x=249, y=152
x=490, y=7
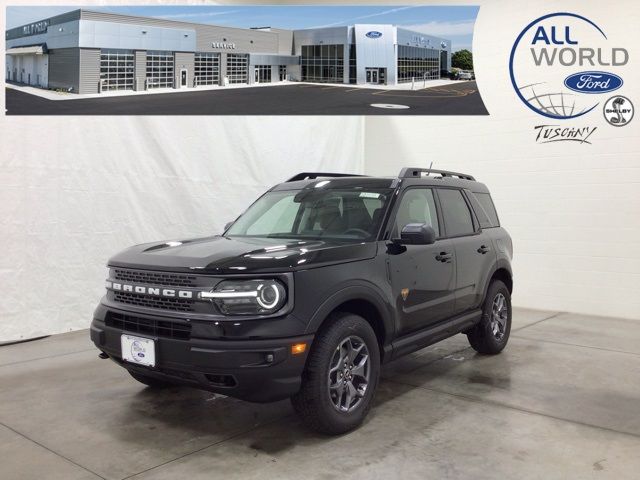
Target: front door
x=422, y=276
x=372, y=75
x=183, y=77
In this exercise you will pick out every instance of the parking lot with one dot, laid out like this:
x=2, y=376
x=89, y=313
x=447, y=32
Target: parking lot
x=298, y=99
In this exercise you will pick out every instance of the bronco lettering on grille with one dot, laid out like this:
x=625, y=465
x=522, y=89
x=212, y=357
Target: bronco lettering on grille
x=143, y=290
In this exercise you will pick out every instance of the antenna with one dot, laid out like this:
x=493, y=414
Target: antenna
x=430, y=165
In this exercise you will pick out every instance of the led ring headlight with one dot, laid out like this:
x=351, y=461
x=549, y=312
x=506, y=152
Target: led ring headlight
x=264, y=293
x=247, y=297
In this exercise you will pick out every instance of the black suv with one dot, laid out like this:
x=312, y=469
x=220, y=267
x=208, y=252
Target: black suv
x=324, y=278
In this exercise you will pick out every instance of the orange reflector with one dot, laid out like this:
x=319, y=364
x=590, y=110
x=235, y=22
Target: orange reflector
x=298, y=348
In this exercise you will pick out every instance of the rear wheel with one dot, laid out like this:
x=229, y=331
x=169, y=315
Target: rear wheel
x=490, y=336
x=341, y=376
x=150, y=381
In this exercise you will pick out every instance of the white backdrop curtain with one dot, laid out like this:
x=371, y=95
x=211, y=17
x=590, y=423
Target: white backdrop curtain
x=74, y=191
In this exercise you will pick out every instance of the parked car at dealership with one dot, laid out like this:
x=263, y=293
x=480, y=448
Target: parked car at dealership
x=466, y=75
x=306, y=294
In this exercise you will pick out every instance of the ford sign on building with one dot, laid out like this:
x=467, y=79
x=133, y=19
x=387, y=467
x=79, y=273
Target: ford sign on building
x=89, y=52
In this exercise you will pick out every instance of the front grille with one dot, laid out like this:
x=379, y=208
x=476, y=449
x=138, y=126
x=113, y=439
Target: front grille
x=154, y=278
x=149, y=301
x=156, y=328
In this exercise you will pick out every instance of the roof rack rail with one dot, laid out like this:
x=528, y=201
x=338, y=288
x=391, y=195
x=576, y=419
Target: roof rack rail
x=409, y=172
x=313, y=175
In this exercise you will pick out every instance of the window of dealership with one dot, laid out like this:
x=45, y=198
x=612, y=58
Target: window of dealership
x=322, y=63
x=418, y=63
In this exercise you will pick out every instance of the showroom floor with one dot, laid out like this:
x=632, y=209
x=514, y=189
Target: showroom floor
x=563, y=401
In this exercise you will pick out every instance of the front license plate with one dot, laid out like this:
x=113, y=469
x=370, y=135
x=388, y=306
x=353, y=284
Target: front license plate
x=141, y=351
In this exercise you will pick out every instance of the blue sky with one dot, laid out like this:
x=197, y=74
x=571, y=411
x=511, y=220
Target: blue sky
x=452, y=22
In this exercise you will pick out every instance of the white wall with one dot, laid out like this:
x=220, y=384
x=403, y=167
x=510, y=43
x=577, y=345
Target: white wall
x=573, y=209
x=73, y=195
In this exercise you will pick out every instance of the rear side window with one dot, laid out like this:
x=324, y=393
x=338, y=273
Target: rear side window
x=481, y=215
x=489, y=208
x=456, y=213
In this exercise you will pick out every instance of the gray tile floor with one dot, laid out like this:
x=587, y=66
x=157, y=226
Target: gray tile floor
x=563, y=401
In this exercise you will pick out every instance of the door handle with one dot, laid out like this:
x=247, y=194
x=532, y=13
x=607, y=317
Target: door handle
x=444, y=257
x=483, y=249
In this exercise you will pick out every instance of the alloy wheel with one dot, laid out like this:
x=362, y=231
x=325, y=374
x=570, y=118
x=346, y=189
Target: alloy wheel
x=499, y=316
x=349, y=373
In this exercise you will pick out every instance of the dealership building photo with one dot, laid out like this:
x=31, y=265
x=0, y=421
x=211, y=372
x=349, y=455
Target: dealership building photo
x=89, y=52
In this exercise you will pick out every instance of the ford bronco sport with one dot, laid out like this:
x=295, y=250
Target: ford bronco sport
x=323, y=279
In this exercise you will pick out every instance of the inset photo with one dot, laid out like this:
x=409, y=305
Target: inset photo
x=241, y=60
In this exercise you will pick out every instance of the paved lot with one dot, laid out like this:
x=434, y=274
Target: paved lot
x=301, y=99
x=561, y=402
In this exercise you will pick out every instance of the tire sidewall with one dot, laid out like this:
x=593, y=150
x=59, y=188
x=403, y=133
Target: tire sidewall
x=344, y=327
x=496, y=288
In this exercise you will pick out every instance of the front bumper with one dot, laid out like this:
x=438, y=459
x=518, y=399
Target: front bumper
x=261, y=370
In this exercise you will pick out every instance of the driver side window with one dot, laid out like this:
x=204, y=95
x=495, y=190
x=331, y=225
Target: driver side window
x=417, y=206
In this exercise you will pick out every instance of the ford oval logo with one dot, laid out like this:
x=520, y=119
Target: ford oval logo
x=593, y=82
x=374, y=34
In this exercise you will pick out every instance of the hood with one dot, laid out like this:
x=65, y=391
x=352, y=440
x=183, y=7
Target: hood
x=224, y=255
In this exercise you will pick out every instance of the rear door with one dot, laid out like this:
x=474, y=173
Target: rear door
x=473, y=248
x=422, y=277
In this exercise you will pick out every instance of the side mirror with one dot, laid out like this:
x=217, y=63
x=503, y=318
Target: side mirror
x=227, y=225
x=417, y=234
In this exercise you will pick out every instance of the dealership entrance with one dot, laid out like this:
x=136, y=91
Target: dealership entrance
x=376, y=76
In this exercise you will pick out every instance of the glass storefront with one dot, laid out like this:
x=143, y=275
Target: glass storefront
x=417, y=63
x=323, y=63
x=282, y=72
x=207, y=68
x=237, y=68
x=263, y=73
x=116, y=69
x=159, y=69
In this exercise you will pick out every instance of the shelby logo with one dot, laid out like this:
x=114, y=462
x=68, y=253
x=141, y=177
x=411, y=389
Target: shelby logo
x=155, y=291
x=373, y=34
x=556, y=133
x=544, y=60
x=593, y=82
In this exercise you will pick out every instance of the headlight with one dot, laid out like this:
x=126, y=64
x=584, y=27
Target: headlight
x=248, y=297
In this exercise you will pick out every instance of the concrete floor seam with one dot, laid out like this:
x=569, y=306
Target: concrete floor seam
x=214, y=444
x=577, y=345
x=517, y=409
x=44, y=358
x=51, y=451
x=538, y=321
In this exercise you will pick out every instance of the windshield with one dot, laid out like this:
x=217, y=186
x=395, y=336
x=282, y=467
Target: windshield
x=350, y=214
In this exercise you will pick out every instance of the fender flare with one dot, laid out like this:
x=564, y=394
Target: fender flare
x=359, y=291
x=501, y=264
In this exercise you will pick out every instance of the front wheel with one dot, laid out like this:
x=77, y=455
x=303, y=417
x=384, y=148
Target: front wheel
x=341, y=376
x=490, y=336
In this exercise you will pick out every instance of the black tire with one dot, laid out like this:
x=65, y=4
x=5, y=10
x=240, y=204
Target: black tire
x=150, y=381
x=483, y=337
x=315, y=403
